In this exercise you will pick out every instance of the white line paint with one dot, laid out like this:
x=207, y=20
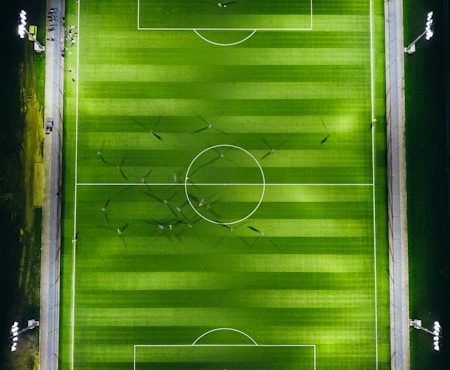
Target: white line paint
x=313, y=346
x=224, y=29
x=74, y=244
x=216, y=184
x=220, y=345
x=263, y=184
x=224, y=44
x=138, y=14
x=315, y=357
x=373, y=184
x=224, y=329
x=251, y=29
x=372, y=97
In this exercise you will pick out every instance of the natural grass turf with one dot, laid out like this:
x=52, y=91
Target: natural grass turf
x=306, y=275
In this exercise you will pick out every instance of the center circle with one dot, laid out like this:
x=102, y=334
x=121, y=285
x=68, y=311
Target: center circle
x=221, y=156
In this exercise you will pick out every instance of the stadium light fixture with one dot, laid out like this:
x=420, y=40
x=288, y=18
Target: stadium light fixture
x=15, y=332
x=23, y=23
x=23, y=32
x=427, y=33
x=436, y=332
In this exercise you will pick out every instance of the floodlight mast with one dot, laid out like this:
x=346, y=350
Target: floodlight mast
x=22, y=31
x=15, y=332
x=428, y=33
x=435, y=333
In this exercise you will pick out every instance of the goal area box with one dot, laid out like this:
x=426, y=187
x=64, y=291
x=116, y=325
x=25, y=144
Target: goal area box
x=225, y=356
x=239, y=15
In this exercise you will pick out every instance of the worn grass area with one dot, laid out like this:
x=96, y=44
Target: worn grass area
x=158, y=262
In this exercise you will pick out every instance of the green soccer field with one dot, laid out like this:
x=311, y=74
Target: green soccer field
x=225, y=205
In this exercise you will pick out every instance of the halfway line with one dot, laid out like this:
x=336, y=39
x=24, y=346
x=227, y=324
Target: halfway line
x=215, y=184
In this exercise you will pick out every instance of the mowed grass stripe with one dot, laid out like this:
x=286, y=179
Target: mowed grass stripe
x=335, y=228
x=247, y=126
x=208, y=298
x=211, y=297
x=92, y=198
x=147, y=73
x=262, y=300
x=285, y=175
x=256, y=263
x=166, y=158
x=201, y=280
x=223, y=90
x=114, y=143
x=215, y=317
x=213, y=107
x=314, y=210
x=150, y=245
x=239, y=56
x=329, y=37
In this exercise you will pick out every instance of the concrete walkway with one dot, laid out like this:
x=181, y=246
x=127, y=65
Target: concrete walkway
x=51, y=210
x=397, y=216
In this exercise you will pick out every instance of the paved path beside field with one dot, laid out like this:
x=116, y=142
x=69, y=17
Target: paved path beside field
x=398, y=230
x=51, y=210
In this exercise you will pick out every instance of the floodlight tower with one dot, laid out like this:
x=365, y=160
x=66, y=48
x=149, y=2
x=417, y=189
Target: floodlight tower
x=15, y=332
x=436, y=332
x=22, y=31
x=427, y=33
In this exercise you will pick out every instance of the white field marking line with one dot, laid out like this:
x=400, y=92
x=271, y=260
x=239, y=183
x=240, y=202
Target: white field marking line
x=268, y=184
x=221, y=345
x=139, y=28
x=224, y=329
x=372, y=96
x=216, y=184
x=74, y=244
x=224, y=44
x=263, y=185
x=224, y=29
x=138, y=14
x=315, y=355
x=136, y=346
x=196, y=31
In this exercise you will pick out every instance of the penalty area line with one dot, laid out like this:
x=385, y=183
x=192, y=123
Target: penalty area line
x=136, y=347
x=250, y=29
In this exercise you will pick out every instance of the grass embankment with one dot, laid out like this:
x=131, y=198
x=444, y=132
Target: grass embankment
x=29, y=194
x=427, y=182
x=32, y=192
